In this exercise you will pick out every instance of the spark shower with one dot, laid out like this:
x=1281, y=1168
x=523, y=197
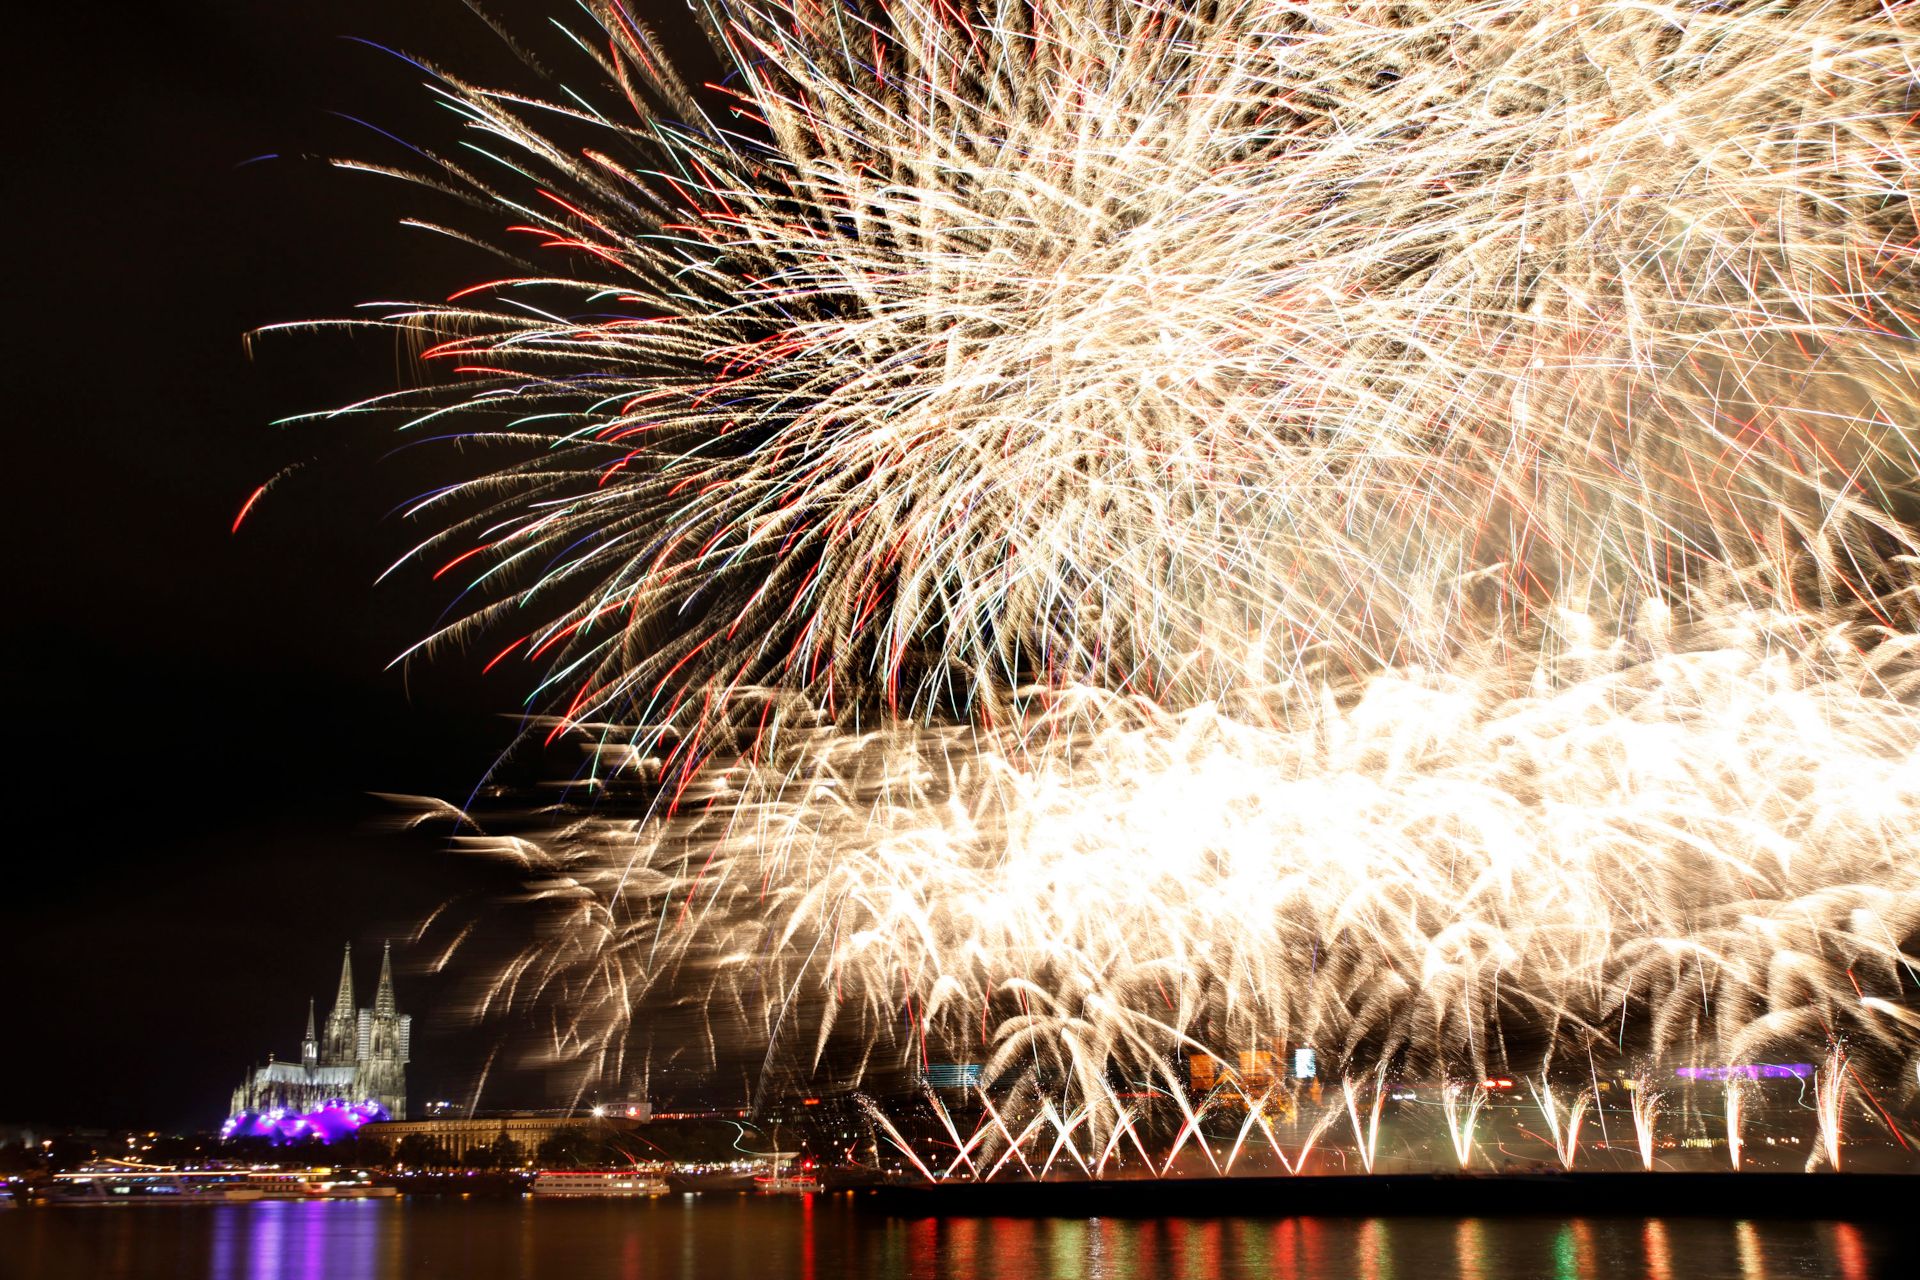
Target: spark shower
x=1076, y=534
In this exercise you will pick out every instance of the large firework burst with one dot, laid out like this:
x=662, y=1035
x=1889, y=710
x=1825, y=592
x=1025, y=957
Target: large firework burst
x=1117, y=523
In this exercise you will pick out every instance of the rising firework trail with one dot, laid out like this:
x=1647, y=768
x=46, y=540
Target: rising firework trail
x=1078, y=534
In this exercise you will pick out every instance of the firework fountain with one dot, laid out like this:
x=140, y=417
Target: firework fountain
x=1257, y=1114
x=1460, y=1121
x=1736, y=1112
x=1830, y=1093
x=1077, y=535
x=1563, y=1126
x=1646, y=1102
x=1367, y=1138
x=1313, y=1135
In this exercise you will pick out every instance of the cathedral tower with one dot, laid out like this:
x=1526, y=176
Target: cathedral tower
x=338, y=1050
x=383, y=1045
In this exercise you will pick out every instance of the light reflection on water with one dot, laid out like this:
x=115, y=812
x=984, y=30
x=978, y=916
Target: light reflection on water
x=817, y=1237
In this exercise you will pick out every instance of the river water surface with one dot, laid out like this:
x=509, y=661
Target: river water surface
x=816, y=1237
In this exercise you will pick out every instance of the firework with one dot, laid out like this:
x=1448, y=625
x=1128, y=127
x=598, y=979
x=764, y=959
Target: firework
x=1365, y=1140
x=1736, y=1119
x=1320, y=1127
x=1257, y=1114
x=1564, y=1126
x=1460, y=1121
x=1646, y=1102
x=1830, y=1095
x=1405, y=878
x=1092, y=532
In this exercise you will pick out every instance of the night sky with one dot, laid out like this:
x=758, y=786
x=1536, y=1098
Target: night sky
x=200, y=717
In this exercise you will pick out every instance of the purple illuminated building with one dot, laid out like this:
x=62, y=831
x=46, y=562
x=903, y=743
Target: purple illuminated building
x=1751, y=1071
x=334, y=1119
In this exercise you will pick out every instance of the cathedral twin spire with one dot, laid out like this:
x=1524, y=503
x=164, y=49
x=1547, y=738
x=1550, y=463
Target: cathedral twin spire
x=343, y=999
x=357, y=1055
x=344, y=1039
x=343, y=1031
x=383, y=1005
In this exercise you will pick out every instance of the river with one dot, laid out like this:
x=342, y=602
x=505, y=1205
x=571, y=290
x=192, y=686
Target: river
x=729, y=1237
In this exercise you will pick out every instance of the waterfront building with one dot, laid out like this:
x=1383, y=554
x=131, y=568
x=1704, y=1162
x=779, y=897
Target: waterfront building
x=1255, y=1070
x=357, y=1063
x=458, y=1135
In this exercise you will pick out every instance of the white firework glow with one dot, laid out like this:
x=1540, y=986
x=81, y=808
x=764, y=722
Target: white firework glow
x=1117, y=528
x=1690, y=847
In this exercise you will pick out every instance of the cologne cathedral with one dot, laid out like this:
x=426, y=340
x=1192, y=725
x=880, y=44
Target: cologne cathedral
x=358, y=1061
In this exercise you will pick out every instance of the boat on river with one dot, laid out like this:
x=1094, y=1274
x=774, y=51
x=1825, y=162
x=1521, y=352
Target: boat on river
x=117, y=1183
x=94, y=1187
x=592, y=1182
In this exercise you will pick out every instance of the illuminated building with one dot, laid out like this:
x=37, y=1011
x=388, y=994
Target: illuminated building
x=355, y=1069
x=1253, y=1074
x=953, y=1075
x=1251, y=1069
x=460, y=1135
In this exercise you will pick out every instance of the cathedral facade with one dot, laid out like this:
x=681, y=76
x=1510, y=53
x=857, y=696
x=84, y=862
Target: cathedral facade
x=359, y=1060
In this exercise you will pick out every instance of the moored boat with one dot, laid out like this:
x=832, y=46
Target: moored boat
x=101, y=1187
x=322, y=1185
x=591, y=1182
x=786, y=1183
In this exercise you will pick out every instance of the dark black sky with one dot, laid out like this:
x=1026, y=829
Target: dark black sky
x=198, y=718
